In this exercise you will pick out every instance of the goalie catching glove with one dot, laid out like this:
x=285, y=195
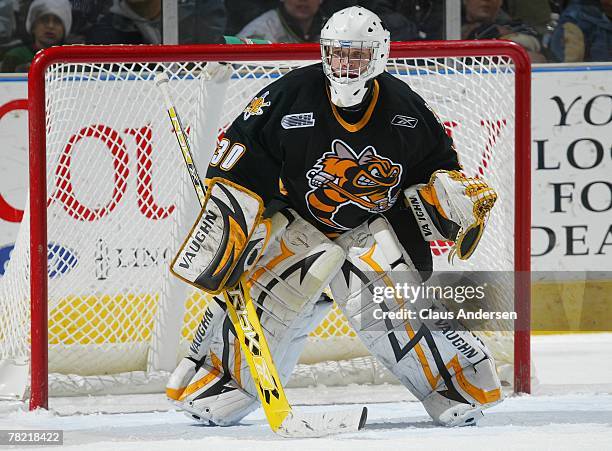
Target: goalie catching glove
x=226, y=240
x=452, y=207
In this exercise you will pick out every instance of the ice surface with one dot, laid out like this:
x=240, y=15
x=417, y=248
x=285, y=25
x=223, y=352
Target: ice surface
x=571, y=409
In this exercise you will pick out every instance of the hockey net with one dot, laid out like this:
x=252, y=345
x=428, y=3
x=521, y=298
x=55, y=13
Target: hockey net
x=115, y=200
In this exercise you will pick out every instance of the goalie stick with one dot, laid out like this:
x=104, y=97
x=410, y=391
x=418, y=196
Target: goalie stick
x=281, y=417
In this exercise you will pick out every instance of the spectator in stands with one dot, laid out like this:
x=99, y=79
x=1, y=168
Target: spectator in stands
x=129, y=22
x=140, y=22
x=201, y=21
x=48, y=23
x=8, y=25
x=535, y=13
x=429, y=18
x=484, y=19
x=408, y=20
x=84, y=14
x=394, y=17
x=291, y=21
x=584, y=32
x=329, y=7
x=9, y=36
x=241, y=12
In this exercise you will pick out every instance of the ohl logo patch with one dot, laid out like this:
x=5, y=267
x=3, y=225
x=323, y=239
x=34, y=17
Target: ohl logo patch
x=342, y=177
x=255, y=107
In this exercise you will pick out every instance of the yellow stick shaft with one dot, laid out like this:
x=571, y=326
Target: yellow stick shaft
x=239, y=304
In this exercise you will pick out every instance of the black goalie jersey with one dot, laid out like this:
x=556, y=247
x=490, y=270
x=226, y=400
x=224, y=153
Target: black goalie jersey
x=336, y=171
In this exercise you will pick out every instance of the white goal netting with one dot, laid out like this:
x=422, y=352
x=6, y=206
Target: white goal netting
x=119, y=202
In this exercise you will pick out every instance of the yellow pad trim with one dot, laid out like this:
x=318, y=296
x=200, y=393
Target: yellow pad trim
x=428, y=193
x=480, y=395
x=174, y=393
x=237, y=362
x=204, y=381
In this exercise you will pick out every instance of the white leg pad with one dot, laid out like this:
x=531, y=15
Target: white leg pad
x=425, y=357
x=224, y=409
x=212, y=319
x=449, y=412
x=286, y=287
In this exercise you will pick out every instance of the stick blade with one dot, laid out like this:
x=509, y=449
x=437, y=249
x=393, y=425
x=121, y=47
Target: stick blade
x=305, y=425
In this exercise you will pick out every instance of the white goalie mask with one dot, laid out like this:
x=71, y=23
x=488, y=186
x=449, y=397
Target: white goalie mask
x=354, y=49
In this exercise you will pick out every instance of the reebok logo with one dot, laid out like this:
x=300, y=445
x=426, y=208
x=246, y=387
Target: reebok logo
x=404, y=121
x=299, y=120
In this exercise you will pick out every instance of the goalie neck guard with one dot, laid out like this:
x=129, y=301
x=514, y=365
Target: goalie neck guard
x=354, y=50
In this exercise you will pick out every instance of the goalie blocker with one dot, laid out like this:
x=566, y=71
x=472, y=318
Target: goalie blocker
x=226, y=240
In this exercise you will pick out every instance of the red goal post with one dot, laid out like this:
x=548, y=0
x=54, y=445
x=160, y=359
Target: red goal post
x=144, y=54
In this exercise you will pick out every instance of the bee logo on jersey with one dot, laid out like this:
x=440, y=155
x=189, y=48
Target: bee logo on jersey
x=255, y=107
x=342, y=177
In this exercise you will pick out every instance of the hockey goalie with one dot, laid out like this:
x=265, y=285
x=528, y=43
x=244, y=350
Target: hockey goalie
x=335, y=175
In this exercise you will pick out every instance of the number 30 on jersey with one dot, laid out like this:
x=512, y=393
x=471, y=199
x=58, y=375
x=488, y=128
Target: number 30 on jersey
x=227, y=155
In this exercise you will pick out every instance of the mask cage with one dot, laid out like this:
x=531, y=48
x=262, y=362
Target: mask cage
x=348, y=62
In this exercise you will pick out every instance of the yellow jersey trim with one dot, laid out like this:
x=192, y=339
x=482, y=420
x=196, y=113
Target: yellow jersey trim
x=366, y=116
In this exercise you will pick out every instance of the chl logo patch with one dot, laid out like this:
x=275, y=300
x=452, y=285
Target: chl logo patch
x=255, y=107
x=404, y=121
x=298, y=120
